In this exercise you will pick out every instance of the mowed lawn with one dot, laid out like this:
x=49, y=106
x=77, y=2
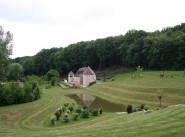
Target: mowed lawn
x=32, y=119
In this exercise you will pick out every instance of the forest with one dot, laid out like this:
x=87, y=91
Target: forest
x=159, y=50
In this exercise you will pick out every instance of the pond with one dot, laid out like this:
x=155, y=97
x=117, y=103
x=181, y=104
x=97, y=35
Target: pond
x=96, y=102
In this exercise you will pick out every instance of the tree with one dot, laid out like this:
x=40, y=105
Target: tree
x=5, y=52
x=15, y=71
x=52, y=73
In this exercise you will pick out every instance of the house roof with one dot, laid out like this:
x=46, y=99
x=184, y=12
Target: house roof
x=71, y=73
x=85, y=71
x=88, y=71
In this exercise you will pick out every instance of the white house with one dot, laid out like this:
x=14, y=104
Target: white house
x=83, y=77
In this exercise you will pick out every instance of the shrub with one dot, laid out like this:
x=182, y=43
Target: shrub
x=53, y=119
x=66, y=104
x=146, y=108
x=57, y=114
x=70, y=108
x=129, y=109
x=142, y=106
x=60, y=110
x=100, y=110
x=66, y=118
x=78, y=110
x=94, y=112
x=68, y=111
x=85, y=113
x=162, y=75
x=75, y=116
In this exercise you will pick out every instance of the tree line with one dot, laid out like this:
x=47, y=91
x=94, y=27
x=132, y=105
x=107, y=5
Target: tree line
x=14, y=92
x=159, y=50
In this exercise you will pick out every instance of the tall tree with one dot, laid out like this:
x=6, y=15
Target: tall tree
x=5, y=52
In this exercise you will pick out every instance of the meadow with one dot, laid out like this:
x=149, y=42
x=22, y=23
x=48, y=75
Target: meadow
x=33, y=119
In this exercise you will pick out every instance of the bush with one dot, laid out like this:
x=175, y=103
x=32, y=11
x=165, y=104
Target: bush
x=94, y=112
x=100, y=110
x=68, y=111
x=129, y=109
x=66, y=104
x=146, y=108
x=70, y=108
x=53, y=119
x=60, y=110
x=75, y=116
x=85, y=113
x=57, y=114
x=66, y=118
x=142, y=106
x=78, y=110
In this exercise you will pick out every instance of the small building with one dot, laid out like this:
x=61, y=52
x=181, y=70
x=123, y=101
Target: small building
x=83, y=77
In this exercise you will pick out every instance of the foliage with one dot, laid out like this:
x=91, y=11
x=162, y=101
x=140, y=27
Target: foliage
x=75, y=116
x=53, y=119
x=54, y=80
x=57, y=114
x=52, y=74
x=78, y=110
x=5, y=51
x=159, y=50
x=94, y=112
x=142, y=106
x=85, y=113
x=15, y=71
x=14, y=93
x=70, y=108
x=101, y=110
x=66, y=117
x=129, y=109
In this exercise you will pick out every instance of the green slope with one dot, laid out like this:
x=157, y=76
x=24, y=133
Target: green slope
x=31, y=119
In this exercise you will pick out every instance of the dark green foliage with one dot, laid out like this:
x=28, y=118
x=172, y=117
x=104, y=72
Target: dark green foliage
x=75, y=116
x=142, y=106
x=78, y=110
x=15, y=93
x=66, y=118
x=85, y=113
x=5, y=52
x=66, y=104
x=15, y=71
x=52, y=74
x=129, y=109
x=101, y=110
x=94, y=112
x=70, y=108
x=159, y=50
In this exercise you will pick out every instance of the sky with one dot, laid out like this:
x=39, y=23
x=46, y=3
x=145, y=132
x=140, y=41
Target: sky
x=43, y=24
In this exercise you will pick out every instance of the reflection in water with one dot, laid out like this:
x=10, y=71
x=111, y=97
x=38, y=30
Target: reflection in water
x=96, y=102
x=87, y=99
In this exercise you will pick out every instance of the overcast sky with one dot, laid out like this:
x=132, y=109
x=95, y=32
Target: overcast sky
x=39, y=24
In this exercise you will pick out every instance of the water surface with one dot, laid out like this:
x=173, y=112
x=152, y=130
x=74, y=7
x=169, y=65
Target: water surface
x=96, y=102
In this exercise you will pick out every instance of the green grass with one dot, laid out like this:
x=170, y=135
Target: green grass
x=32, y=119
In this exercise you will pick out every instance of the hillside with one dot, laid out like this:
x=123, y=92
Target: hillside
x=32, y=119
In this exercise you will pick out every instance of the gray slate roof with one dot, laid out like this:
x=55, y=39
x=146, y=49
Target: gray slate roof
x=85, y=71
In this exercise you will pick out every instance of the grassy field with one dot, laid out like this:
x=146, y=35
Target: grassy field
x=32, y=119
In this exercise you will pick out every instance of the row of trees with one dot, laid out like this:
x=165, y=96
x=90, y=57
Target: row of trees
x=15, y=93
x=157, y=50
